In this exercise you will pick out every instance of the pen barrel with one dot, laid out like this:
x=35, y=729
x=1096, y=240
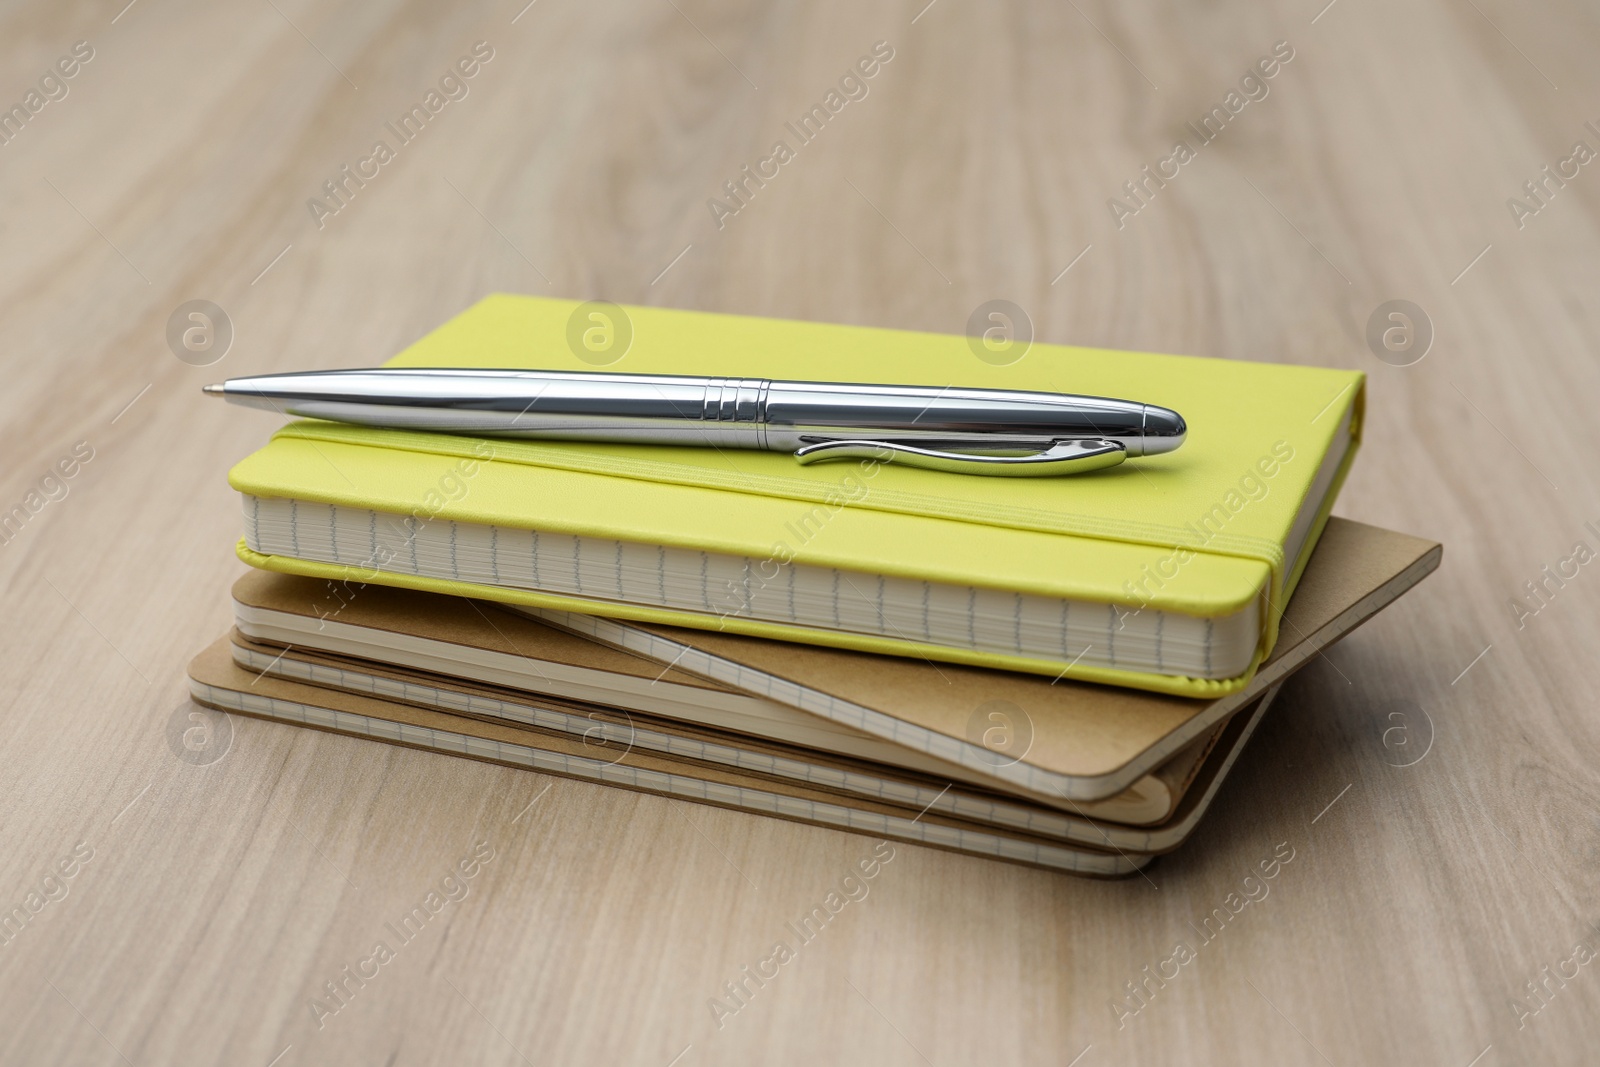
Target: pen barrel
x=630, y=408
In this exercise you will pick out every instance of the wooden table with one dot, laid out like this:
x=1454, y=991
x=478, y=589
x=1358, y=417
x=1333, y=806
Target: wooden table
x=210, y=902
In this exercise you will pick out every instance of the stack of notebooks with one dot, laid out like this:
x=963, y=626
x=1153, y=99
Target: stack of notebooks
x=1054, y=671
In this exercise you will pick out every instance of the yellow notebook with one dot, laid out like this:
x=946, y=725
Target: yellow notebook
x=1166, y=573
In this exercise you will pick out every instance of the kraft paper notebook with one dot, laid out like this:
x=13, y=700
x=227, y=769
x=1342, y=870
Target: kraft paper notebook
x=1166, y=573
x=1050, y=840
x=1129, y=818
x=452, y=654
x=298, y=627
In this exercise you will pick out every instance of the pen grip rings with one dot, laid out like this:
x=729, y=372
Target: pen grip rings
x=741, y=401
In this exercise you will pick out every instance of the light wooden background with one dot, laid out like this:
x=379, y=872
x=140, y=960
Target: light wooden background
x=220, y=898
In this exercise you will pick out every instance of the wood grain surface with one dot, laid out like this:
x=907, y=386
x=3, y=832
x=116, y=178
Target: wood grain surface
x=1433, y=778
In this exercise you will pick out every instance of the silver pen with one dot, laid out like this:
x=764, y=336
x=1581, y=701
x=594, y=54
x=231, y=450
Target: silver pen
x=971, y=431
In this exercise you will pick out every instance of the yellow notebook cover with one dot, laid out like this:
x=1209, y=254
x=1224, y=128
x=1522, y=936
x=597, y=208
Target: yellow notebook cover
x=1200, y=531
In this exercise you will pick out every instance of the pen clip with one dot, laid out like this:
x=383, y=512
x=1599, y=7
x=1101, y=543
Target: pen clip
x=1063, y=457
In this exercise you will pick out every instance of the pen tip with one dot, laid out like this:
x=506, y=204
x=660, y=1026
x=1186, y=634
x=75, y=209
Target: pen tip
x=214, y=390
